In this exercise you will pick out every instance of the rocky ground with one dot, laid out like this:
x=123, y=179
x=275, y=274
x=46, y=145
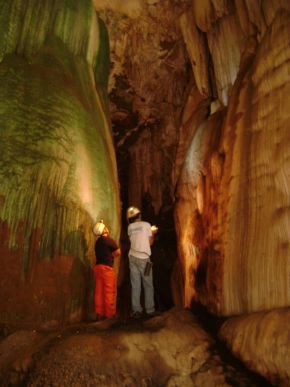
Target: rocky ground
x=170, y=349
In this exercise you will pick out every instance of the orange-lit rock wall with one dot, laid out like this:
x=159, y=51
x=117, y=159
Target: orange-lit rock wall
x=261, y=341
x=232, y=196
x=57, y=161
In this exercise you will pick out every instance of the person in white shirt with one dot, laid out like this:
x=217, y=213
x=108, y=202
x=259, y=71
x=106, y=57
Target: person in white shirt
x=141, y=236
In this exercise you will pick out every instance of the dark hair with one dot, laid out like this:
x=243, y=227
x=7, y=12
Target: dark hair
x=131, y=220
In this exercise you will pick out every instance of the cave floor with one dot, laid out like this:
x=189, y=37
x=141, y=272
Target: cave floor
x=170, y=349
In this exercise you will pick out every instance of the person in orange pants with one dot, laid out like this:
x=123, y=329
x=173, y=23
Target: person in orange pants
x=105, y=291
x=106, y=249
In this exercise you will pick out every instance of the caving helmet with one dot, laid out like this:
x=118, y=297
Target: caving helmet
x=99, y=228
x=132, y=212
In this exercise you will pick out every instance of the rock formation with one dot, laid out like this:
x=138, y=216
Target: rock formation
x=261, y=340
x=169, y=350
x=227, y=149
x=199, y=105
x=58, y=170
x=232, y=209
x=236, y=186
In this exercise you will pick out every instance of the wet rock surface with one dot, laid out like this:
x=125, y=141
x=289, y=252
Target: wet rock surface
x=170, y=349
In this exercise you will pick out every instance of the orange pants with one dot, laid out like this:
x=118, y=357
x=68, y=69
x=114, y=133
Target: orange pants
x=105, y=291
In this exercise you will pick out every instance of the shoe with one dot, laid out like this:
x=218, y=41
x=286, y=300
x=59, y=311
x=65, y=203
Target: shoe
x=137, y=315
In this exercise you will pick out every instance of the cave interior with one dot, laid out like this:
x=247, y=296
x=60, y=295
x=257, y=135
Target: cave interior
x=180, y=108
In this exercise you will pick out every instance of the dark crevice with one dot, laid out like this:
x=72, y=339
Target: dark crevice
x=212, y=324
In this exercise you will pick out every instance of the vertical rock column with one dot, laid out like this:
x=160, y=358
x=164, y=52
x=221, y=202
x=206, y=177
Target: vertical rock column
x=57, y=161
x=254, y=218
x=232, y=191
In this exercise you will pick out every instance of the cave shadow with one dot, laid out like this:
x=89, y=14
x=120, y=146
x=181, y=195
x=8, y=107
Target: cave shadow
x=164, y=255
x=123, y=281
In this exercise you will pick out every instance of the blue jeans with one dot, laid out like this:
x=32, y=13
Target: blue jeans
x=137, y=267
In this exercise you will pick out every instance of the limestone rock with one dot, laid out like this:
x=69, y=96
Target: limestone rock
x=255, y=174
x=192, y=213
x=57, y=169
x=261, y=341
x=226, y=43
x=198, y=52
x=232, y=193
x=207, y=12
x=166, y=350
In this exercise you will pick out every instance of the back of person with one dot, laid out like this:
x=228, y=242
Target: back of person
x=104, y=248
x=141, y=237
x=139, y=233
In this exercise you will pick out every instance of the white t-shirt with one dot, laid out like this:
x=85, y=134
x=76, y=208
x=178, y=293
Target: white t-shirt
x=139, y=233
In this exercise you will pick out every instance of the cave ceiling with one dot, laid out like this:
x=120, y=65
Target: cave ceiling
x=150, y=70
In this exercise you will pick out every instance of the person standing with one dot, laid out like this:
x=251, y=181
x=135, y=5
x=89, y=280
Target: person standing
x=141, y=236
x=106, y=249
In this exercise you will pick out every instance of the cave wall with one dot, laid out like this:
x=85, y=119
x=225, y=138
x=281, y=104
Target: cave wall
x=232, y=201
x=261, y=341
x=148, y=88
x=57, y=164
x=202, y=112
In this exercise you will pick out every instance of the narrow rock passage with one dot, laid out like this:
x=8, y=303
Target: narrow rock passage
x=168, y=350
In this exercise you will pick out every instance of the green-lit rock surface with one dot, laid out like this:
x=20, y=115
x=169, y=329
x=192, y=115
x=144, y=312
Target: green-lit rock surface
x=57, y=161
